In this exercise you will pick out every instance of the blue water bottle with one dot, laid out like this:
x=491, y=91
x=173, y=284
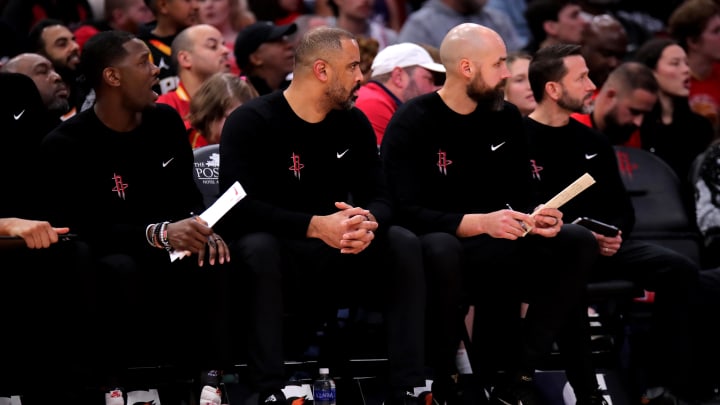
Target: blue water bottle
x=324, y=389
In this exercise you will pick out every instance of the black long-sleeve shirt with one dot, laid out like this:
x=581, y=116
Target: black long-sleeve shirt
x=562, y=154
x=442, y=165
x=292, y=169
x=108, y=186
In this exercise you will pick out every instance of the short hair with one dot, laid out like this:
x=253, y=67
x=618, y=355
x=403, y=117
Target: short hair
x=218, y=93
x=182, y=42
x=35, y=42
x=539, y=11
x=631, y=76
x=100, y=51
x=318, y=42
x=548, y=65
x=650, y=52
x=690, y=18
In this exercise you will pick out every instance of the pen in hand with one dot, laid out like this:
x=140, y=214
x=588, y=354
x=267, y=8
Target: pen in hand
x=522, y=224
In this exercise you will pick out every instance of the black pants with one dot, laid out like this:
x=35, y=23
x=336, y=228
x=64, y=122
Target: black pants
x=497, y=276
x=310, y=279
x=673, y=277
x=154, y=312
x=46, y=299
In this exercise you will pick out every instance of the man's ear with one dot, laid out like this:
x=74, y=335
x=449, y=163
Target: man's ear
x=184, y=59
x=397, y=77
x=553, y=90
x=550, y=27
x=112, y=76
x=255, y=60
x=320, y=70
x=466, y=67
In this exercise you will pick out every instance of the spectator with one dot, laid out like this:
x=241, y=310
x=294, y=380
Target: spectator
x=25, y=14
x=33, y=250
x=171, y=17
x=435, y=18
x=672, y=130
x=553, y=22
x=198, y=52
x=53, y=91
x=627, y=96
x=221, y=14
x=264, y=52
x=280, y=12
x=295, y=227
x=55, y=41
x=143, y=194
x=453, y=189
x=399, y=73
x=123, y=15
x=694, y=24
x=604, y=46
x=517, y=86
x=356, y=16
x=213, y=102
x=515, y=10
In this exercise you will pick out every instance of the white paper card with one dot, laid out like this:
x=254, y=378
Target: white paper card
x=216, y=211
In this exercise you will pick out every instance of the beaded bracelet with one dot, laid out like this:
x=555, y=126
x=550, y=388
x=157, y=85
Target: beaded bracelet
x=164, y=236
x=149, y=232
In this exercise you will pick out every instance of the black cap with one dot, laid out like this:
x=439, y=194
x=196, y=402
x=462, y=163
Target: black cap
x=254, y=35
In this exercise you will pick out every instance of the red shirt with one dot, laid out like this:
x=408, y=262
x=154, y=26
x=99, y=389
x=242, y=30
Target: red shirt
x=179, y=99
x=379, y=105
x=705, y=96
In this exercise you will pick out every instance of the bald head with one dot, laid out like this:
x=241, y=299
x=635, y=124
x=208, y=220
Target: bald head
x=469, y=41
x=48, y=82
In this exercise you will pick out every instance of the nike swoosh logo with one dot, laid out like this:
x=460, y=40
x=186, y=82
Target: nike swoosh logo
x=588, y=157
x=17, y=116
x=168, y=162
x=496, y=147
x=340, y=155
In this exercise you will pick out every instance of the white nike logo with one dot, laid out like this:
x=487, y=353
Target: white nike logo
x=588, y=157
x=340, y=155
x=496, y=147
x=17, y=116
x=168, y=162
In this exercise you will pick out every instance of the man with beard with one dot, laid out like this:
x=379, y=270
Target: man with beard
x=457, y=160
x=317, y=218
x=399, y=73
x=622, y=102
x=56, y=42
x=53, y=91
x=562, y=149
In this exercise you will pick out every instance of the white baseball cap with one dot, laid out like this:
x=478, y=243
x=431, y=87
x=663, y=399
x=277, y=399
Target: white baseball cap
x=403, y=55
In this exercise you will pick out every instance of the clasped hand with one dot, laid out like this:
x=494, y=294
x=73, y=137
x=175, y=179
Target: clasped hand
x=351, y=229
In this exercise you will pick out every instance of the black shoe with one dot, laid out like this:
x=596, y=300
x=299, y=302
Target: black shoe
x=596, y=397
x=406, y=398
x=666, y=398
x=519, y=391
x=274, y=398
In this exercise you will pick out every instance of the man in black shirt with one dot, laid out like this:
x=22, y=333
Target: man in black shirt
x=457, y=160
x=317, y=215
x=563, y=148
x=127, y=161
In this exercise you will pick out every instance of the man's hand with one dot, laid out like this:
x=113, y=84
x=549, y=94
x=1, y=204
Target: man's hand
x=548, y=222
x=190, y=234
x=608, y=245
x=351, y=229
x=36, y=234
x=503, y=224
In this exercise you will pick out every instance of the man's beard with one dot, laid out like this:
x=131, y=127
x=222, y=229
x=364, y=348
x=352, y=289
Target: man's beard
x=616, y=132
x=340, y=100
x=573, y=104
x=490, y=98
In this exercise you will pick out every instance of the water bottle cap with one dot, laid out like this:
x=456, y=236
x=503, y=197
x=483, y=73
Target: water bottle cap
x=324, y=370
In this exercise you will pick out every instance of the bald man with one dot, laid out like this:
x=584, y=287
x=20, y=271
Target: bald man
x=300, y=154
x=198, y=52
x=53, y=91
x=457, y=161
